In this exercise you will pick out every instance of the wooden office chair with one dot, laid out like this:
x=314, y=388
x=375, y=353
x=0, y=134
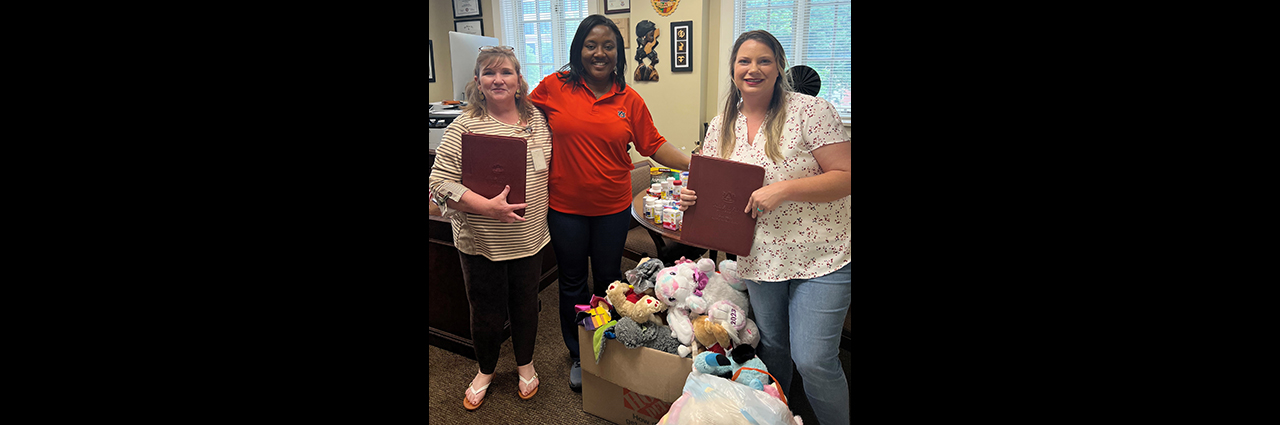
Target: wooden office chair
x=640, y=242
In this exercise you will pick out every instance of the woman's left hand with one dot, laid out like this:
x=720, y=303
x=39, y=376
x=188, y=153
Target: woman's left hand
x=765, y=199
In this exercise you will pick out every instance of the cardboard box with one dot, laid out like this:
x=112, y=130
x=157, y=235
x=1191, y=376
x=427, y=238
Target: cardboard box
x=630, y=386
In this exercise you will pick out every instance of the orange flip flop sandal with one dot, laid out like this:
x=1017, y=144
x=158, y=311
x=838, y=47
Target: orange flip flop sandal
x=467, y=403
x=527, y=382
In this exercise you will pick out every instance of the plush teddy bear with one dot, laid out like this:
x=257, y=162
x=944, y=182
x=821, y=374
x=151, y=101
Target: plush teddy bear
x=632, y=335
x=643, y=277
x=629, y=304
x=709, y=333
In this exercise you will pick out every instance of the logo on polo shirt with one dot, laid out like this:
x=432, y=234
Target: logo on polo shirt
x=622, y=114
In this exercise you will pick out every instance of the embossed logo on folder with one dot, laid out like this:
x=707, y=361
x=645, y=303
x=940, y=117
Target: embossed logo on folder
x=496, y=176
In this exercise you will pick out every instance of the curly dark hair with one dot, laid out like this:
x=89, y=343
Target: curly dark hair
x=574, y=70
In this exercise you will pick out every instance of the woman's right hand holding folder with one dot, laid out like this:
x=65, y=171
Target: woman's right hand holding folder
x=687, y=198
x=496, y=208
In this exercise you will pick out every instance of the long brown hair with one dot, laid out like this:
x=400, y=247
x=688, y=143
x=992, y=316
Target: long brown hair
x=776, y=115
x=476, y=107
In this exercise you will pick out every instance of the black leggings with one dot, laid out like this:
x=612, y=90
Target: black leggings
x=495, y=288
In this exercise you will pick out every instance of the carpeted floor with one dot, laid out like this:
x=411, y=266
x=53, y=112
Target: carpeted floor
x=555, y=403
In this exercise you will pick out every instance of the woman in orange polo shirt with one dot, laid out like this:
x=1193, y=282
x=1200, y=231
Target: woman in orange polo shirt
x=593, y=117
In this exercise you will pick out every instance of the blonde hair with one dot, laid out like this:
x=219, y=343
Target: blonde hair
x=775, y=117
x=476, y=107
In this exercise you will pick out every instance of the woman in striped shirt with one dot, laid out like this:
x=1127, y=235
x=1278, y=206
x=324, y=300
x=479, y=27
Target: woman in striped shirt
x=499, y=248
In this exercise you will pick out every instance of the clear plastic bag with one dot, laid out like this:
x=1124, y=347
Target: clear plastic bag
x=710, y=399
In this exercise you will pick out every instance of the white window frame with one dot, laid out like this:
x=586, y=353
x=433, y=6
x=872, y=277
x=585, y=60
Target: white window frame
x=512, y=34
x=796, y=54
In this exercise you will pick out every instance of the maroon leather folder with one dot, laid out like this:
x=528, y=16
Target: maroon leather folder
x=490, y=163
x=716, y=221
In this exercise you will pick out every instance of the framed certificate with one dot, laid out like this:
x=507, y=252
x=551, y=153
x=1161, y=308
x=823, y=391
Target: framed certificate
x=431, y=59
x=617, y=6
x=466, y=8
x=469, y=26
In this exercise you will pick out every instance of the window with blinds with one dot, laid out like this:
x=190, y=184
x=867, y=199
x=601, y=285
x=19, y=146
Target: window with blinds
x=541, y=32
x=816, y=33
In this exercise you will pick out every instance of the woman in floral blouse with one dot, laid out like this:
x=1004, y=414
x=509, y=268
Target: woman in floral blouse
x=799, y=268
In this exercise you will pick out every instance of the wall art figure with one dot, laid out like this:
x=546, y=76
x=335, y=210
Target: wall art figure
x=646, y=41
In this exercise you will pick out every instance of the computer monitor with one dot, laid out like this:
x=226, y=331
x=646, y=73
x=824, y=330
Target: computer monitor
x=463, y=51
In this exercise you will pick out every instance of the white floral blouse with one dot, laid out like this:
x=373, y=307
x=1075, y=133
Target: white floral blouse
x=796, y=240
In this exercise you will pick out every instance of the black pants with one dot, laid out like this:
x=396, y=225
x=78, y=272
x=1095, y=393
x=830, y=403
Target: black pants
x=575, y=238
x=497, y=290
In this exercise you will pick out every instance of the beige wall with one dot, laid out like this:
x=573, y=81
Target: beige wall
x=677, y=100
x=715, y=59
x=439, y=23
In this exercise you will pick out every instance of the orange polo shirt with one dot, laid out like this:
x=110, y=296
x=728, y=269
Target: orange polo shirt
x=590, y=166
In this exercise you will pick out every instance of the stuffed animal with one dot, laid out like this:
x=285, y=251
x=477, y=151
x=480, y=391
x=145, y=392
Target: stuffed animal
x=594, y=314
x=724, y=285
x=748, y=369
x=632, y=335
x=709, y=333
x=644, y=276
x=690, y=289
x=748, y=335
x=629, y=304
x=713, y=364
x=677, y=286
x=729, y=272
x=598, y=338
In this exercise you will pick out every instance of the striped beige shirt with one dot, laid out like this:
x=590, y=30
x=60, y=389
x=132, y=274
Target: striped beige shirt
x=476, y=234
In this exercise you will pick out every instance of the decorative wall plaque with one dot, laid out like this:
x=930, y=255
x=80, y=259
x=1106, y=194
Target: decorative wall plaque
x=665, y=7
x=646, y=41
x=682, y=46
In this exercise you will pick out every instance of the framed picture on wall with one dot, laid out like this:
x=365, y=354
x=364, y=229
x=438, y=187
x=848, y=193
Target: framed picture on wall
x=682, y=46
x=617, y=6
x=431, y=58
x=466, y=8
x=470, y=26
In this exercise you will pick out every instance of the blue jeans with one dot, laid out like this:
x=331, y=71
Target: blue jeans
x=807, y=314
x=574, y=238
